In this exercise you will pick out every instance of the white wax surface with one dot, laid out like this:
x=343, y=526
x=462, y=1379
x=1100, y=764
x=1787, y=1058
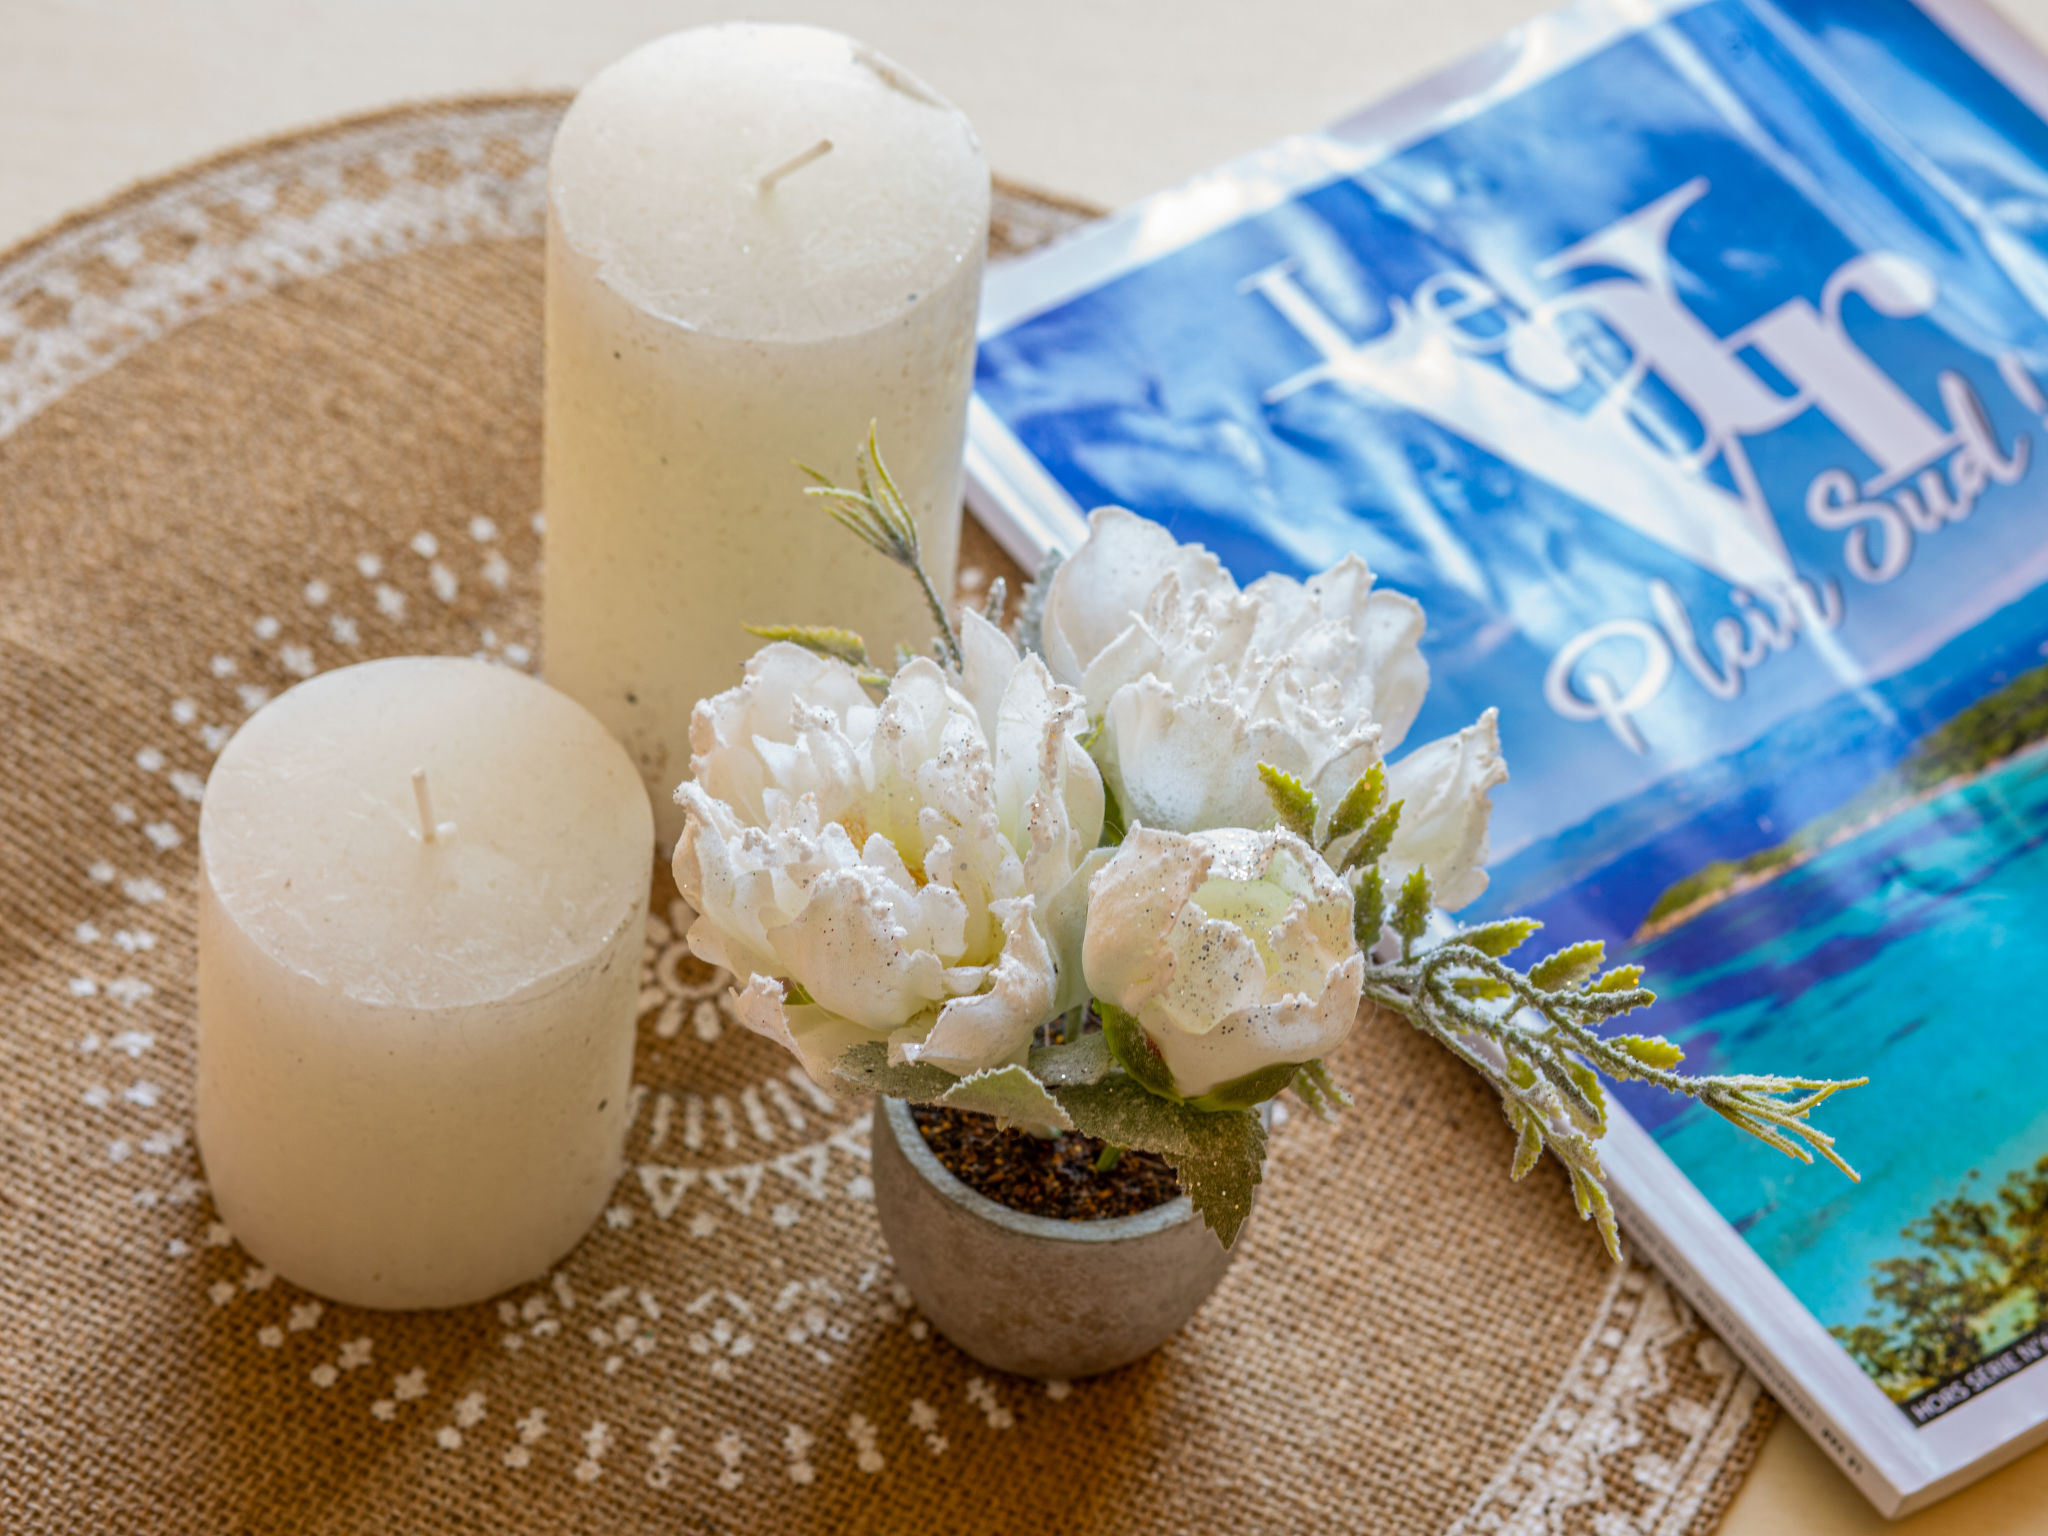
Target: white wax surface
x=415, y=1056
x=704, y=338
x=655, y=179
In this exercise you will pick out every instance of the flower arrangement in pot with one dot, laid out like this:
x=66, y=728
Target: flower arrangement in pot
x=1080, y=900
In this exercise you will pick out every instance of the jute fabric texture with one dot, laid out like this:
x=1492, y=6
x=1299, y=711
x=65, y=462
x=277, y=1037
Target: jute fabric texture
x=281, y=413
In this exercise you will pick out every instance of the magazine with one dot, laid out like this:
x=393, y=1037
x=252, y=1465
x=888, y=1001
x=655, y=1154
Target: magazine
x=1689, y=363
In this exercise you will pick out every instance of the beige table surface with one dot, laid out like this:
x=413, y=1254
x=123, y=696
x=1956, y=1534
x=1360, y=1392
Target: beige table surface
x=1105, y=99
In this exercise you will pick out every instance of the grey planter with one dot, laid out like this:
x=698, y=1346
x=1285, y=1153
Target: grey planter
x=1030, y=1294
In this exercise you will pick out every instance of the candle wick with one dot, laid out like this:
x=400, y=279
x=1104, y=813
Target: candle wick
x=791, y=166
x=425, y=802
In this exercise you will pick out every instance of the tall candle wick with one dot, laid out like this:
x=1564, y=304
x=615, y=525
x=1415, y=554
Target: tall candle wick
x=430, y=829
x=792, y=165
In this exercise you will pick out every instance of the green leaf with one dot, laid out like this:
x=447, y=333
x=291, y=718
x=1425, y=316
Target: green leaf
x=1293, y=801
x=1528, y=1139
x=1134, y=1050
x=1249, y=1091
x=1561, y=1072
x=1588, y=1083
x=1481, y=988
x=1622, y=978
x=867, y=1068
x=1497, y=939
x=840, y=644
x=884, y=496
x=1074, y=1064
x=1219, y=1157
x=1376, y=839
x=1650, y=1050
x=796, y=996
x=882, y=519
x=1012, y=1095
x=1521, y=1074
x=1320, y=1091
x=1568, y=967
x=877, y=512
x=1411, y=910
x=1369, y=909
x=1359, y=802
x=1591, y=1198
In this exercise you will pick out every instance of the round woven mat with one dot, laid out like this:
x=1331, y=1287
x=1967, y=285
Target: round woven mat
x=280, y=413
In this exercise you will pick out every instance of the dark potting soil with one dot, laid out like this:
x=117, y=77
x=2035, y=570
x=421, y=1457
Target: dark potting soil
x=1055, y=1178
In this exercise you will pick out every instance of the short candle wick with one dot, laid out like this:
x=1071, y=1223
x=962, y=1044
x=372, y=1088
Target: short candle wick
x=430, y=829
x=791, y=166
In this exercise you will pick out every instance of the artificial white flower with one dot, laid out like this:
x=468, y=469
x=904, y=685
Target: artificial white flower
x=1195, y=683
x=1232, y=950
x=1444, y=785
x=916, y=867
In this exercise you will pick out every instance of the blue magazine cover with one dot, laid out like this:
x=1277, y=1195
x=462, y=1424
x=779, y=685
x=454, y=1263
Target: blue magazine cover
x=1689, y=363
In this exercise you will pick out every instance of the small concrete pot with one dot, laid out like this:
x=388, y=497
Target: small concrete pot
x=1030, y=1294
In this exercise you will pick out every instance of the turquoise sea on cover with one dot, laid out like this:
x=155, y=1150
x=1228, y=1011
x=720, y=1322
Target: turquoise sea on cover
x=1915, y=953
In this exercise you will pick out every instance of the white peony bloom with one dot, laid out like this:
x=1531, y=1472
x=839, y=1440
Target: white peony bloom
x=917, y=867
x=1233, y=952
x=1196, y=683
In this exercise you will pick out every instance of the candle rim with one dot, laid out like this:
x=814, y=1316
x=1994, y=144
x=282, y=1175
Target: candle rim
x=685, y=288
x=614, y=883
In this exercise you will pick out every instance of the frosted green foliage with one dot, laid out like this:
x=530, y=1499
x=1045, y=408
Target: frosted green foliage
x=1368, y=908
x=1538, y=1038
x=1073, y=1064
x=1359, y=803
x=866, y=1068
x=1324, y=1096
x=1031, y=616
x=1293, y=802
x=877, y=514
x=840, y=644
x=1218, y=1156
x=1013, y=1096
x=1411, y=911
x=995, y=601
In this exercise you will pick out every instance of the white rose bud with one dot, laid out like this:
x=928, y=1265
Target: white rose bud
x=1444, y=787
x=1229, y=956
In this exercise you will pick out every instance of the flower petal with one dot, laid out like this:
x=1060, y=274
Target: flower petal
x=870, y=950
x=1192, y=763
x=1096, y=593
x=1133, y=902
x=993, y=1027
x=1296, y=1028
x=1445, y=784
x=726, y=878
x=728, y=730
x=813, y=1035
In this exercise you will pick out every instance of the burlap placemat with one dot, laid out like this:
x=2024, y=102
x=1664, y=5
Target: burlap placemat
x=281, y=413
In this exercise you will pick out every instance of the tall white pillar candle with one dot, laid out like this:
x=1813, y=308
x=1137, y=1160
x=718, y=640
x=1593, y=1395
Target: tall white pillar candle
x=422, y=902
x=760, y=238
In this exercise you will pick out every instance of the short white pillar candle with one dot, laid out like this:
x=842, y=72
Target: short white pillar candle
x=760, y=238
x=422, y=903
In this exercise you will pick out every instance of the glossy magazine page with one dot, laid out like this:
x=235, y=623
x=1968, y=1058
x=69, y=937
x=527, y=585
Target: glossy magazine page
x=1690, y=364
